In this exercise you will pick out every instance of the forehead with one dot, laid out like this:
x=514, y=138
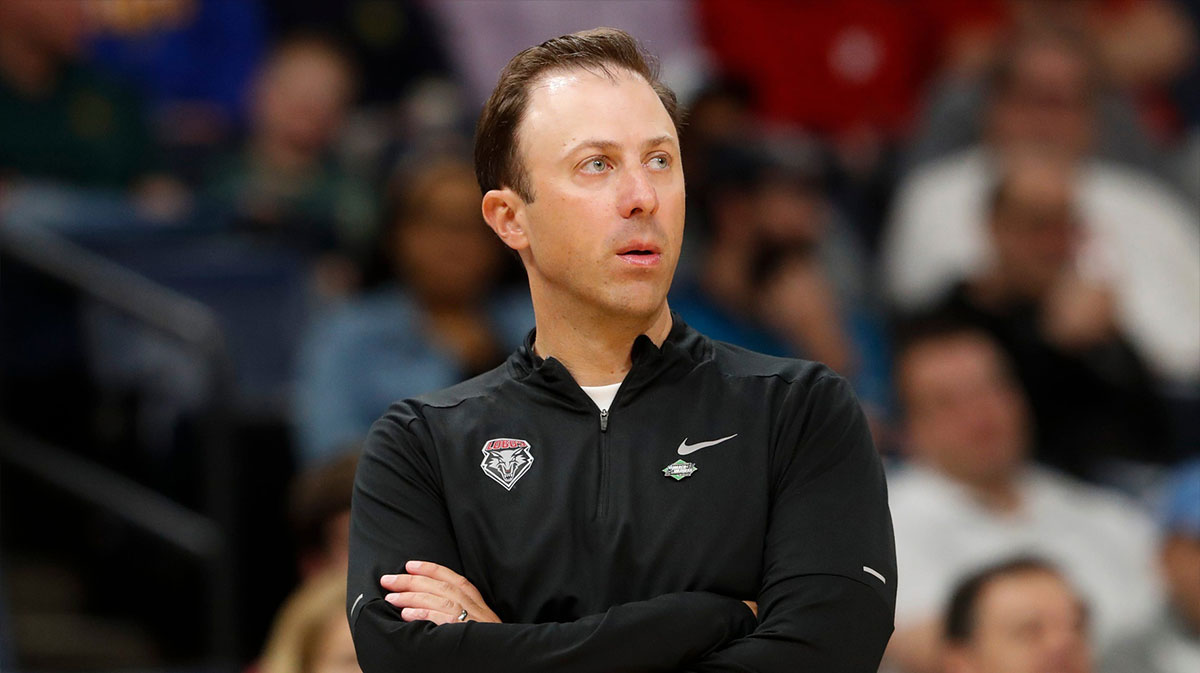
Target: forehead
x=950, y=359
x=568, y=106
x=1026, y=595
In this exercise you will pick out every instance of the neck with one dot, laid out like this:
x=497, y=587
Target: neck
x=596, y=347
x=28, y=69
x=998, y=494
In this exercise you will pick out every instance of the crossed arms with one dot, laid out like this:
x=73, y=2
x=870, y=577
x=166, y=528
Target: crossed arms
x=816, y=614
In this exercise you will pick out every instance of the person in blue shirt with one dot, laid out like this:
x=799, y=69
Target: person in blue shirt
x=446, y=317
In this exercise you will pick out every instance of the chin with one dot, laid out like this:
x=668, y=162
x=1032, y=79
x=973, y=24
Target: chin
x=637, y=304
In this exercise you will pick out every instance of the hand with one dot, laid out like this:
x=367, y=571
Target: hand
x=1078, y=314
x=430, y=592
x=753, y=607
x=800, y=302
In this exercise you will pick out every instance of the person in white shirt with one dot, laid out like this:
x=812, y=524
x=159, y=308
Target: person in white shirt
x=1142, y=237
x=971, y=496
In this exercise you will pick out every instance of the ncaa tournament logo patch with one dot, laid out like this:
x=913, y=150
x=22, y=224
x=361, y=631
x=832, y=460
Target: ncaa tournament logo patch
x=506, y=460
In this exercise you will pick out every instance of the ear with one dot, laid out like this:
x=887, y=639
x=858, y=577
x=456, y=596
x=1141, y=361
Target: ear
x=504, y=212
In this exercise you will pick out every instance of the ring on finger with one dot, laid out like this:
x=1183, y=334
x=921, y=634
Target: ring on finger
x=462, y=616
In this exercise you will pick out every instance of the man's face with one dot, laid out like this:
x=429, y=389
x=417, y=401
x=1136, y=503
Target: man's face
x=1048, y=105
x=302, y=99
x=1034, y=229
x=1026, y=623
x=964, y=411
x=605, y=225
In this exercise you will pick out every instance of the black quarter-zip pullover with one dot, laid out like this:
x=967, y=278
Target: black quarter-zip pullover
x=627, y=540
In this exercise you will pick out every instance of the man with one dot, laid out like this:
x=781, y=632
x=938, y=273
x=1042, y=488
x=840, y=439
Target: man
x=283, y=184
x=1020, y=616
x=623, y=493
x=1043, y=97
x=972, y=495
x=1094, y=403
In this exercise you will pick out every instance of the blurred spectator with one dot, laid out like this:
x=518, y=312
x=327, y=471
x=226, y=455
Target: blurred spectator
x=781, y=273
x=1171, y=644
x=394, y=41
x=284, y=185
x=310, y=634
x=193, y=60
x=971, y=495
x=448, y=317
x=1020, y=616
x=319, y=509
x=59, y=118
x=1141, y=234
x=408, y=100
x=1091, y=396
x=1144, y=46
x=720, y=115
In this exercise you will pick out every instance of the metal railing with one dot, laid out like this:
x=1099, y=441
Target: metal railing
x=207, y=536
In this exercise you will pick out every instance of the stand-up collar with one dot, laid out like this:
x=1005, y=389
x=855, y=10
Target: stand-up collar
x=683, y=348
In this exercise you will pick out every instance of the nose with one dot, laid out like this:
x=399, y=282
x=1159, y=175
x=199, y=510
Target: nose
x=637, y=195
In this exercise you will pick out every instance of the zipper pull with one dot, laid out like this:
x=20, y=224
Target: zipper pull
x=604, y=420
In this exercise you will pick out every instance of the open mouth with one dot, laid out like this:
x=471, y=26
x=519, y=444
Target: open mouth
x=640, y=255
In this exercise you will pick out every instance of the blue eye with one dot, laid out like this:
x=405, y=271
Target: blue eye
x=660, y=162
x=595, y=166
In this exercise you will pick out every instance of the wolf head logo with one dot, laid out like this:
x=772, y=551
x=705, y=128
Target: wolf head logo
x=506, y=460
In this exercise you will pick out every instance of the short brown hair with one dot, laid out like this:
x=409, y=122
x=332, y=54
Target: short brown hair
x=962, y=611
x=497, y=164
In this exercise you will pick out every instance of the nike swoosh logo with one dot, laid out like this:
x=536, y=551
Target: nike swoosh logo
x=685, y=448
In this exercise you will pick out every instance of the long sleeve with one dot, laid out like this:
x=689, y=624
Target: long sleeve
x=399, y=513
x=828, y=595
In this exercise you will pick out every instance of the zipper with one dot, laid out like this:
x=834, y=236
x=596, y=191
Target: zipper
x=602, y=492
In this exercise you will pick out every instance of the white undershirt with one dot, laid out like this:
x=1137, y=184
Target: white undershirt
x=602, y=395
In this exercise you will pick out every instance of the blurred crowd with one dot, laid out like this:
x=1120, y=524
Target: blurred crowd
x=985, y=214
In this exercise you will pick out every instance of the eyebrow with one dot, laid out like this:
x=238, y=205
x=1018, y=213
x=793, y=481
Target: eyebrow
x=609, y=145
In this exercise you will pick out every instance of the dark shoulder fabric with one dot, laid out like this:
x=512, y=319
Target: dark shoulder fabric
x=479, y=386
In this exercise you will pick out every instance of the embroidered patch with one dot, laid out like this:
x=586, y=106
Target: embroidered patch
x=679, y=469
x=506, y=460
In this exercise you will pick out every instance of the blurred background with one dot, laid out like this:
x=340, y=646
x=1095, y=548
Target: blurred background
x=233, y=231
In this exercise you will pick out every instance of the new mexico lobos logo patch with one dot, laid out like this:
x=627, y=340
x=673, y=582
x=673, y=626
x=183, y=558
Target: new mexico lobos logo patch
x=506, y=460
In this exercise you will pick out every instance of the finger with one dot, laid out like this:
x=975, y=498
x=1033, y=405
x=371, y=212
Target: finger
x=391, y=582
x=424, y=614
x=444, y=574
x=417, y=599
x=400, y=583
